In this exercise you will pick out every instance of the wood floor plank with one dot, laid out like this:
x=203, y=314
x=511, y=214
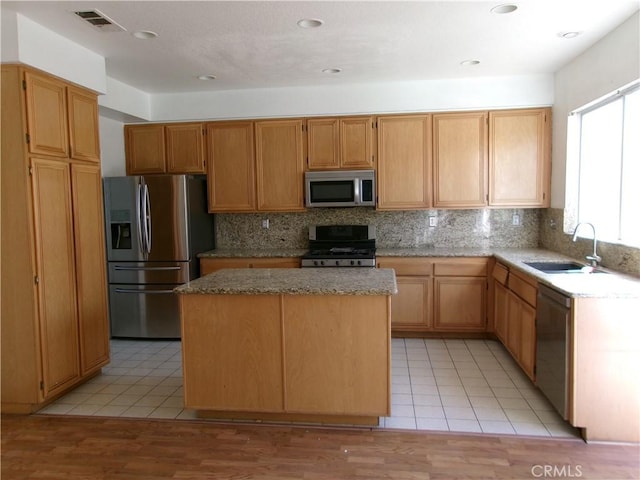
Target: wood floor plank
x=100, y=448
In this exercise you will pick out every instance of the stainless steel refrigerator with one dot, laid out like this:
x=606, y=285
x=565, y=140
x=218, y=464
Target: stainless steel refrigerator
x=155, y=227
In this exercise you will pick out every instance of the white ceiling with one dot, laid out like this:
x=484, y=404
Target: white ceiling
x=249, y=44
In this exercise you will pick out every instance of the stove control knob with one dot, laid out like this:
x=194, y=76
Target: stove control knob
x=353, y=263
x=359, y=262
x=337, y=263
x=321, y=262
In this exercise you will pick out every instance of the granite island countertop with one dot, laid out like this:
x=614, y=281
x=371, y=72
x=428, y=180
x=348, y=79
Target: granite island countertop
x=294, y=281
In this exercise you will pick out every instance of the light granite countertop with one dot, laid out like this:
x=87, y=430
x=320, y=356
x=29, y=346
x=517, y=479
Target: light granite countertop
x=598, y=285
x=253, y=253
x=294, y=281
x=612, y=284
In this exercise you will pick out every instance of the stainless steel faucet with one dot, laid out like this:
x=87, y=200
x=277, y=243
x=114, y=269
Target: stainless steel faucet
x=594, y=258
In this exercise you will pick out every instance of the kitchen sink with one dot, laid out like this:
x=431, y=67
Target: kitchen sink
x=563, y=267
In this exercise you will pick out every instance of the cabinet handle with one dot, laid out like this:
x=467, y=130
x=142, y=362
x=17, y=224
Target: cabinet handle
x=142, y=292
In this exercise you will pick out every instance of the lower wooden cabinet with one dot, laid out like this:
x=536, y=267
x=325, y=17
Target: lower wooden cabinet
x=210, y=265
x=438, y=295
x=460, y=295
x=412, y=306
x=515, y=315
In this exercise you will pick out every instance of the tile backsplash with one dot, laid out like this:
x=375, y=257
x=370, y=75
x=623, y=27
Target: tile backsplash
x=480, y=228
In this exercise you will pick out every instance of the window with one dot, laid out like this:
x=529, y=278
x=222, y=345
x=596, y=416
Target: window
x=609, y=166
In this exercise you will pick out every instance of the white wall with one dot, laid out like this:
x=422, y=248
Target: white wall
x=112, y=147
x=41, y=48
x=611, y=63
x=434, y=95
x=126, y=99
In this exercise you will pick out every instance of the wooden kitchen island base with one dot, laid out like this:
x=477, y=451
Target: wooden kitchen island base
x=321, y=358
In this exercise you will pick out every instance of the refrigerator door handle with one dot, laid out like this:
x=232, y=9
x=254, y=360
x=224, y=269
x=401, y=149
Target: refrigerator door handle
x=147, y=219
x=139, y=216
x=142, y=292
x=137, y=269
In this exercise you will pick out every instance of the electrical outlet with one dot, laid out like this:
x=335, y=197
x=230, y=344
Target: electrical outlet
x=265, y=223
x=433, y=221
x=516, y=219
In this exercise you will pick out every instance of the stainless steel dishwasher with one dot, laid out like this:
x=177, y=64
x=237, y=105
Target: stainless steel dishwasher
x=552, y=348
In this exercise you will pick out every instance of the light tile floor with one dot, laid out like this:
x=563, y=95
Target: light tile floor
x=444, y=385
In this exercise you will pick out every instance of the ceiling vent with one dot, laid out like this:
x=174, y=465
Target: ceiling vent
x=100, y=21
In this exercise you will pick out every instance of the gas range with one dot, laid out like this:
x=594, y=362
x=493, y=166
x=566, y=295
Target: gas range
x=341, y=246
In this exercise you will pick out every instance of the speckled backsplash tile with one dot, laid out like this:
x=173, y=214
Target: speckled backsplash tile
x=405, y=229
x=552, y=237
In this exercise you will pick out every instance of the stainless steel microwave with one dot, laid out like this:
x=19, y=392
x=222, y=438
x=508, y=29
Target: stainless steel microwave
x=340, y=188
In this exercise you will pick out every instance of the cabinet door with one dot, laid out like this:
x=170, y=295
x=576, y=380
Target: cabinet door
x=90, y=257
x=404, y=162
x=527, y=356
x=53, y=222
x=514, y=326
x=460, y=160
x=356, y=142
x=411, y=308
x=231, y=180
x=500, y=312
x=323, y=144
x=280, y=165
x=460, y=303
x=185, y=148
x=519, y=158
x=83, y=125
x=145, y=149
x=46, y=115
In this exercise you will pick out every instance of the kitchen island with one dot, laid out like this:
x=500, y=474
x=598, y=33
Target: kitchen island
x=311, y=345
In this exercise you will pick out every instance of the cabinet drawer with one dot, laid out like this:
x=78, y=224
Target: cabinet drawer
x=500, y=273
x=525, y=288
x=461, y=267
x=408, y=266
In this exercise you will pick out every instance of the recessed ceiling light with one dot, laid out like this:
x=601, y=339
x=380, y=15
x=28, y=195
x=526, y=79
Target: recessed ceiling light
x=569, y=34
x=310, y=23
x=505, y=8
x=206, y=77
x=332, y=70
x=469, y=63
x=145, y=34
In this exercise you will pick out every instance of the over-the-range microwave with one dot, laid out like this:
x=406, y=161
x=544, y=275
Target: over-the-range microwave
x=340, y=188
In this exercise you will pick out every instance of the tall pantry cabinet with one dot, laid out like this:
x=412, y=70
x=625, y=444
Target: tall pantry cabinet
x=55, y=330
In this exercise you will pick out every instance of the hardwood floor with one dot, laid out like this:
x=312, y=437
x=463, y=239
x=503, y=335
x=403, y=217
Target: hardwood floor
x=54, y=447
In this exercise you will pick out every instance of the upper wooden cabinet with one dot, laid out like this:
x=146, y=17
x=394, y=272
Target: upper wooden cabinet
x=160, y=148
x=460, y=160
x=280, y=165
x=62, y=120
x=335, y=143
x=145, y=149
x=83, y=124
x=185, y=148
x=231, y=178
x=404, y=162
x=46, y=115
x=519, y=157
